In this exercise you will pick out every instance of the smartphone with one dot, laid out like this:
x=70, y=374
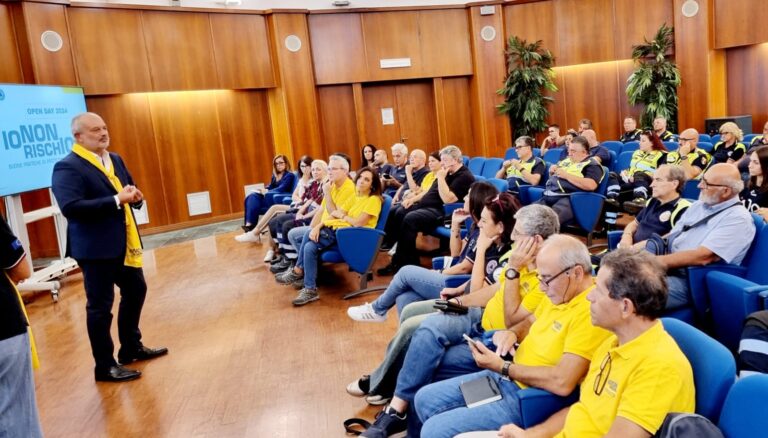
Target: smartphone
x=386, y=176
x=470, y=340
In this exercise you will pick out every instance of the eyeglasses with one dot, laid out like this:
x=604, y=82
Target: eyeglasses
x=706, y=184
x=602, y=377
x=725, y=132
x=552, y=278
x=685, y=139
x=279, y=162
x=521, y=146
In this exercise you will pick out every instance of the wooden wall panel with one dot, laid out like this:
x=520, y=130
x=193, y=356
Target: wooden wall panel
x=246, y=139
x=416, y=113
x=533, y=22
x=132, y=136
x=110, y=65
x=633, y=23
x=740, y=23
x=337, y=114
x=376, y=97
x=338, y=48
x=624, y=69
x=241, y=48
x=439, y=30
x=458, y=110
x=180, y=50
x=747, y=87
x=585, y=28
x=392, y=35
x=52, y=68
x=10, y=68
x=191, y=158
x=591, y=92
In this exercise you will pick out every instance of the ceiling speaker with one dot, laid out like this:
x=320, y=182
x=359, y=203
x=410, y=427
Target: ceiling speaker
x=690, y=8
x=488, y=33
x=293, y=43
x=51, y=41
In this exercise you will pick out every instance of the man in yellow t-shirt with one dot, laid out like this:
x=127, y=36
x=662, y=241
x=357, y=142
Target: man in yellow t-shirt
x=553, y=355
x=638, y=375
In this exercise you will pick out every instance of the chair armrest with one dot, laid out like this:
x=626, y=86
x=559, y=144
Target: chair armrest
x=449, y=208
x=698, y=287
x=281, y=198
x=614, y=237
x=535, y=193
x=359, y=247
x=443, y=262
x=764, y=297
x=456, y=280
x=731, y=299
x=536, y=405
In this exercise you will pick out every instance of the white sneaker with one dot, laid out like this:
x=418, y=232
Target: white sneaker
x=270, y=255
x=377, y=400
x=246, y=237
x=365, y=313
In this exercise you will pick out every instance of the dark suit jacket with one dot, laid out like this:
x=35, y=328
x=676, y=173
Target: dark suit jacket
x=96, y=226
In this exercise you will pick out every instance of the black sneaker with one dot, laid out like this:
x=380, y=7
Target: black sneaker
x=390, y=269
x=388, y=424
x=633, y=207
x=280, y=266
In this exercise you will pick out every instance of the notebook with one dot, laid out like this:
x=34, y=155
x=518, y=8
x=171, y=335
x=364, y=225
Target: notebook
x=480, y=391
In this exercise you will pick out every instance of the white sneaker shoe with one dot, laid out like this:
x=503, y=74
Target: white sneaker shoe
x=270, y=255
x=365, y=313
x=246, y=237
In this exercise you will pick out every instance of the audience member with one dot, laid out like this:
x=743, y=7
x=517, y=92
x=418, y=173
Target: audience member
x=729, y=149
x=584, y=124
x=689, y=156
x=638, y=375
x=433, y=164
x=361, y=210
x=408, y=219
x=414, y=283
x=257, y=202
x=553, y=139
x=660, y=128
x=755, y=194
x=633, y=183
x=761, y=140
x=716, y=227
x=631, y=133
x=396, y=175
x=415, y=171
x=601, y=154
x=366, y=156
x=381, y=163
x=525, y=169
x=577, y=173
x=757, y=141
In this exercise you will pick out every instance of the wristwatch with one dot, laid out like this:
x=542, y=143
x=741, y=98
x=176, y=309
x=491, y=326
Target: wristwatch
x=512, y=273
x=505, y=369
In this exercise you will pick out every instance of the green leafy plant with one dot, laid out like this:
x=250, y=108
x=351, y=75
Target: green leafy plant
x=654, y=83
x=529, y=73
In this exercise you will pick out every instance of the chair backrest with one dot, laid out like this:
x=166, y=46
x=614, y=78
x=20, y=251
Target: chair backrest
x=671, y=145
x=758, y=253
x=745, y=411
x=748, y=138
x=602, y=186
x=586, y=208
x=537, y=152
x=613, y=146
x=465, y=160
x=691, y=189
x=501, y=184
x=476, y=165
x=510, y=153
x=707, y=146
x=705, y=138
x=553, y=155
x=630, y=146
x=714, y=368
x=624, y=161
x=614, y=157
x=715, y=138
x=491, y=166
x=386, y=206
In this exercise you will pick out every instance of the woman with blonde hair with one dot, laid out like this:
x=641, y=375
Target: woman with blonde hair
x=729, y=149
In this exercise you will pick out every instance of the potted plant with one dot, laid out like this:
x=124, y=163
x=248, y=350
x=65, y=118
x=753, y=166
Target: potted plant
x=529, y=73
x=654, y=83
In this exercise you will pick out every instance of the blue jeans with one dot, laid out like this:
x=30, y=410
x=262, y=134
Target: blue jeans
x=410, y=284
x=679, y=294
x=309, y=254
x=254, y=203
x=296, y=237
x=441, y=407
x=18, y=409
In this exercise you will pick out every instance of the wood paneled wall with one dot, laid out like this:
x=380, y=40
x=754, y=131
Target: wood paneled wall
x=740, y=23
x=747, y=86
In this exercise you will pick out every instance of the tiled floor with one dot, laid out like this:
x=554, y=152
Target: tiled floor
x=169, y=238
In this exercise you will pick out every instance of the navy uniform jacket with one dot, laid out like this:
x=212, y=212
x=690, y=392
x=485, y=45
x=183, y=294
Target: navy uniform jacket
x=96, y=226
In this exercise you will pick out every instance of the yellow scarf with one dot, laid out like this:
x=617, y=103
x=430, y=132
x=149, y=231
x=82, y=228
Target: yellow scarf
x=35, y=359
x=133, y=242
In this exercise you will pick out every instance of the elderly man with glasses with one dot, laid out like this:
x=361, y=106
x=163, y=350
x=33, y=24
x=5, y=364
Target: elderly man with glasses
x=557, y=342
x=689, y=156
x=638, y=375
x=717, y=227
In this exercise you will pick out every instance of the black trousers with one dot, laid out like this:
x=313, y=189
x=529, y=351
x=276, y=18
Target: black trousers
x=413, y=222
x=100, y=278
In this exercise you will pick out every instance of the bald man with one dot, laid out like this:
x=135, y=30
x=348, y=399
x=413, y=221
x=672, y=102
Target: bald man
x=715, y=228
x=689, y=156
x=601, y=154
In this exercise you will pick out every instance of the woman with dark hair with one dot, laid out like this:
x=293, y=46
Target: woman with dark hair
x=755, y=194
x=257, y=202
x=362, y=210
x=634, y=183
x=366, y=155
x=305, y=179
x=414, y=283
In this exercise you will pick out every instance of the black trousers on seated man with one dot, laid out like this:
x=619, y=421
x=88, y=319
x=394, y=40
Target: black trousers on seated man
x=407, y=229
x=100, y=278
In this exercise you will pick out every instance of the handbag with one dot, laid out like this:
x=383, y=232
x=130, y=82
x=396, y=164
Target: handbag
x=659, y=245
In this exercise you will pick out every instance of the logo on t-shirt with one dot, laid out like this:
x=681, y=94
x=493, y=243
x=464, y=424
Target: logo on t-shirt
x=16, y=244
x=664, y=216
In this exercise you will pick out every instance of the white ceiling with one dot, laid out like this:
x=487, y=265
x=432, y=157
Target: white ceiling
x=277, y=4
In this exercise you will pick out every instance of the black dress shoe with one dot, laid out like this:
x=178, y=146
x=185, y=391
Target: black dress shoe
x=117, y=373
x=390, y=269
x=143, y=353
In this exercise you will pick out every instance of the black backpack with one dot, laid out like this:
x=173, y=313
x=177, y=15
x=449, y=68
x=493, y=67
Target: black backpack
x=677, y=425
x=753, y=348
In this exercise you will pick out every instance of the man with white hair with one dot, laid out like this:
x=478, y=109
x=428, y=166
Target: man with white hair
x=396, y=176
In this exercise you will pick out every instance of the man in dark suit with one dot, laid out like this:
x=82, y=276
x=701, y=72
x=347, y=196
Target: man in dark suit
x=95, y=193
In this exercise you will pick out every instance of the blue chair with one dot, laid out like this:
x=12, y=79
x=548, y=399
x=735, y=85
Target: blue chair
x=476, y=165
x=442, y=231
x=536, y=405
x=501, y=184
x=530, y=194
x=553, y=155
x=671, y=145
x=714, y=368
x=613, y=160
x=358, y=248
x=614, y=146
x=588, y=207
x=624, y=161
x=465, y=160
x=705, y=138
x=691, y=189
x=511, y=153
x=748, y=138
x=491, y=167
x=745, y=411
x=630, y=146
x=537, y=152
x=707, y=146
x=716, y=139
x=734, y=295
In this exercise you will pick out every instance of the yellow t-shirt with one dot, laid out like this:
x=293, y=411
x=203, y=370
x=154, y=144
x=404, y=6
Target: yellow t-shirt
x=426, y=183
x=340, y=196
x=355, y=206
x=493, y=316
x=649, y=377
x=565, y=328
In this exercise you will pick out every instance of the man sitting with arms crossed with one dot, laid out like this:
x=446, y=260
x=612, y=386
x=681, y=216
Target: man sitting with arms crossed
x=526, y=170
x=638, y=375
x=415, y=171
x=554, y=352
x=689, y=156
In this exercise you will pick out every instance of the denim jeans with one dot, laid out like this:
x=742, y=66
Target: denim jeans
x=296, y=237
x=679, y=292
x=254, y=203
x=441, y=407
x=18, y=409
x=309, y=254
x=413, y=283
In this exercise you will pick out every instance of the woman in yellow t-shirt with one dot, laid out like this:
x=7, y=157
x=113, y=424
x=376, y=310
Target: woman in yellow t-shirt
x=362, y=210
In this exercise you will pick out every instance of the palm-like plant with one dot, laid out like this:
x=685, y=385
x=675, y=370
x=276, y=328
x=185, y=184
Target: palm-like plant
x=654, y=83
x=529, y=73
